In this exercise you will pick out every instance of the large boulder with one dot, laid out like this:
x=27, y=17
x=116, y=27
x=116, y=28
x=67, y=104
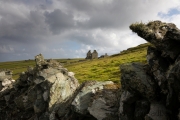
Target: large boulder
x=39, y=92
x=163, y=70
x=138, y=89
x=97, y=99
x=135, y=80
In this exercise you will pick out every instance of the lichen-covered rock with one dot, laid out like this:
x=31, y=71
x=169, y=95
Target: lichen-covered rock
x=39, y=91
x=163, y=67
x=164, y=36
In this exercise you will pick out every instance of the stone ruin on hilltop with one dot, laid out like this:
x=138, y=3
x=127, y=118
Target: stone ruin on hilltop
x=148, y=91
x=93, y=55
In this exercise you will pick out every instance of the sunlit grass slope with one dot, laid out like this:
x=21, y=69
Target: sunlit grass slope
x=97, y=69
x=19, y=66
x=107, y=68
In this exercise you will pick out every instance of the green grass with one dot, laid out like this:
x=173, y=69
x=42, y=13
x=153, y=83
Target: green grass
x=107, y=68
x=19, y=66
x=97, y=69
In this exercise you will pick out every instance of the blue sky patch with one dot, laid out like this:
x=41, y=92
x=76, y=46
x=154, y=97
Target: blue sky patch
x=171, y=12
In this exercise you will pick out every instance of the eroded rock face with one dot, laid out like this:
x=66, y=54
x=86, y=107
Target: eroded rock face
x=99, y=99
x=151, y=91
x=164, y=36
x=138, y=90
x=39, y=92
x=134, y=78
x=83, y=98
x=49, y=92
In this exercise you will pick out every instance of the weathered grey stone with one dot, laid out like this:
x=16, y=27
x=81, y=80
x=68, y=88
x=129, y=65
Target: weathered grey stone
x=158, y=65
x=83, y=98
x=41, y=90
x=104, y=104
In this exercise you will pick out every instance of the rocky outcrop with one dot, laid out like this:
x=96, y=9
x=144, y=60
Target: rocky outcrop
x=39, y=92
x=49, y=92
x=99, y=99
x=148, y=91
x=151, y=91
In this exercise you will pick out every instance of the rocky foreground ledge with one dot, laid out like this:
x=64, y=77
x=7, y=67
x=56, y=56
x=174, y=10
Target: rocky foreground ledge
x=148, y=91
x=49, y=92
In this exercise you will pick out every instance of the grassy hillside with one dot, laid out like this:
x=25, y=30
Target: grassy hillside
x=97, y=69
x=19, y=66
x=108, y=68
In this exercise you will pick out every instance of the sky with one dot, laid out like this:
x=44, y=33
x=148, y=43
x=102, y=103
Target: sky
x=70, y=28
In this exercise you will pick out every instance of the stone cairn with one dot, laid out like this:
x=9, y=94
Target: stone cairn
x=148, y=91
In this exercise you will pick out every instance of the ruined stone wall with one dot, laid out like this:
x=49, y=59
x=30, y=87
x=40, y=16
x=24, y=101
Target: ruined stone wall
x=94, y=54
x=89, y=55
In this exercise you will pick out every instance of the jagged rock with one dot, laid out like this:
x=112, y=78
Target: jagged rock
x=163, y=67
x=49, y=92
x=164, y=36
x=83, y=98
x=135, y=80
x=157, y=64
x=104, y=105
x=42, y=90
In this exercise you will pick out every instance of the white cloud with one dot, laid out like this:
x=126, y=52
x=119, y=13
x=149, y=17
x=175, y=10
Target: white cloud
x=6, y=49
x=69, y=28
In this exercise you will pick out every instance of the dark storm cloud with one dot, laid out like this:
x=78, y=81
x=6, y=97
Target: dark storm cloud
x=30, y=27
x=59, y=21
x=22, y=29
x=115, y=14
